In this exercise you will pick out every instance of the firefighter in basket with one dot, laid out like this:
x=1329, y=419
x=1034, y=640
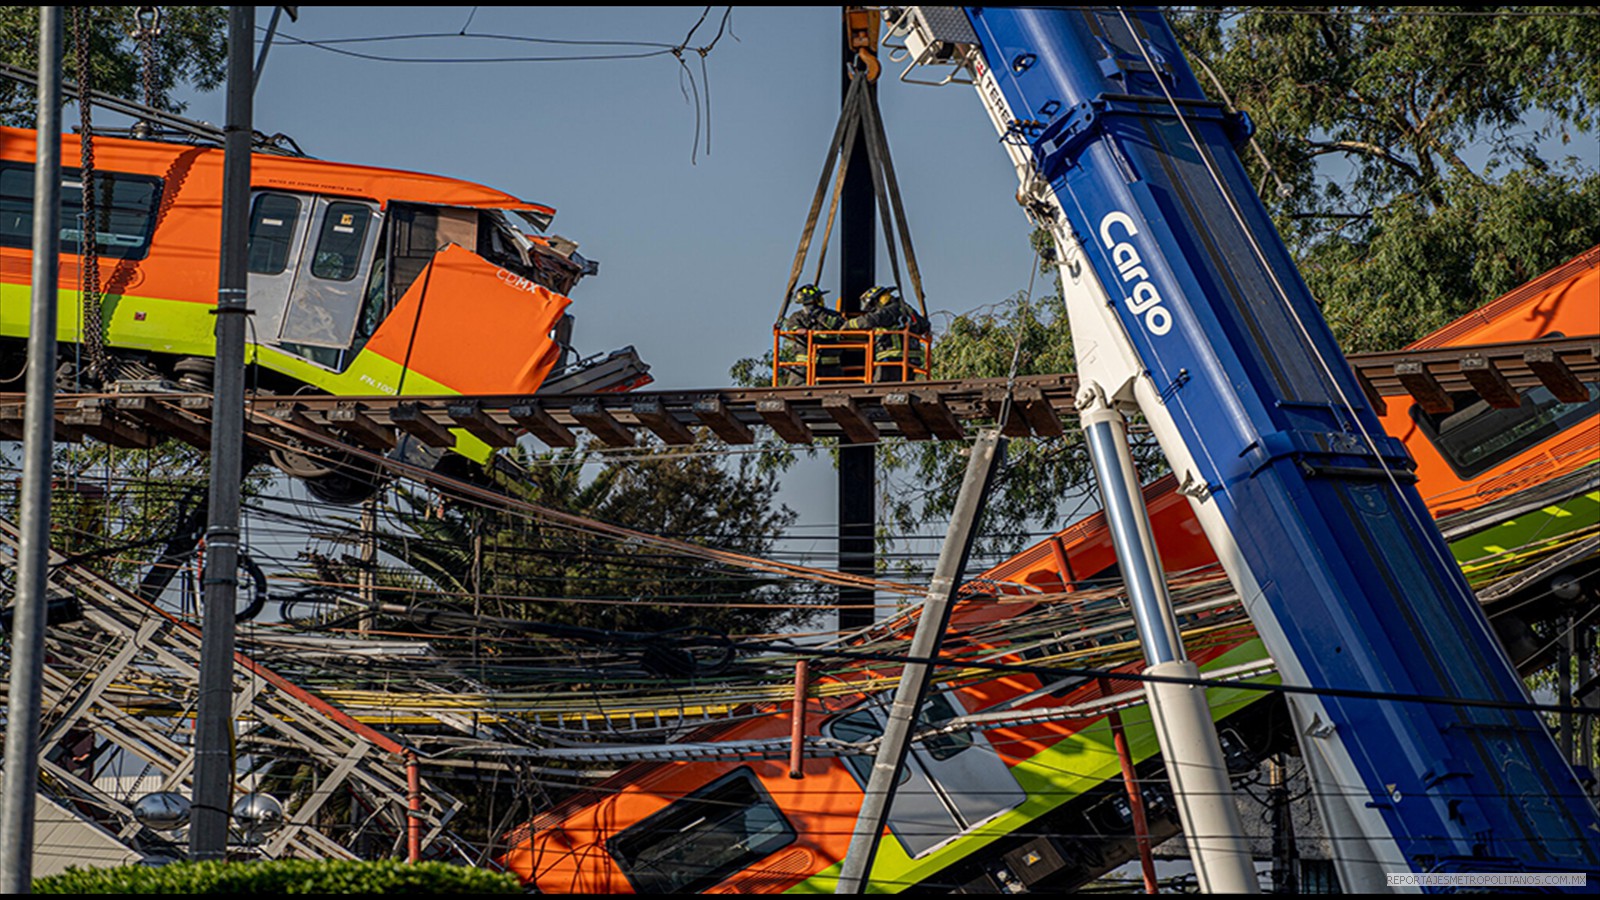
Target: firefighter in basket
x=897, y=350
x=812, y=316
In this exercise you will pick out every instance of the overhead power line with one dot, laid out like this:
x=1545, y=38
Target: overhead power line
x=652, y=48
x=448, y=60
x=1414, y=12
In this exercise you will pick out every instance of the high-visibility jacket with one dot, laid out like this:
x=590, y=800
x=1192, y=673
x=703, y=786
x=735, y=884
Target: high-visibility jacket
x=813, y=318
x=894, y=318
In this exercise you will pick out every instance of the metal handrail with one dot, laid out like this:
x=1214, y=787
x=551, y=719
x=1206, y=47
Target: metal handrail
x=861, y=340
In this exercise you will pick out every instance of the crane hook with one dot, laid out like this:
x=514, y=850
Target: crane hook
x=862, y=24
x=866, y=62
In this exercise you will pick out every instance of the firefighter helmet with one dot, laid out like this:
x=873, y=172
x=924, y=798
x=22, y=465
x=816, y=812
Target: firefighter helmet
x=808, y=295
x=877, y=295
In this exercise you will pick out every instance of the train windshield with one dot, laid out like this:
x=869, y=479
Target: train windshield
x=1477, y=437
x=703, y=838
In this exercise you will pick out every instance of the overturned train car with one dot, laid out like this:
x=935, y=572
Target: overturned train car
x=362, y=280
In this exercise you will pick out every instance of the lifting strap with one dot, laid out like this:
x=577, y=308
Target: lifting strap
x=878, y=143
x=848, y=120
x=845, y=151
x=858, y=115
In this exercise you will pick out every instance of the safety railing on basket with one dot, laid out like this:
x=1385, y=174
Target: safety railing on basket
x=850, y=356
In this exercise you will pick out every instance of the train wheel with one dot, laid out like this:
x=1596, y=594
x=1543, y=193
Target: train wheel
x=330, y=476
x=195, y=373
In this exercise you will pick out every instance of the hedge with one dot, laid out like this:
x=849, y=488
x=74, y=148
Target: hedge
x=287, y=876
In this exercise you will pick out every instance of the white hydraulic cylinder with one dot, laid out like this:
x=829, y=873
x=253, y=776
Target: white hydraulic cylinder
x=1200, y=782
x=1201, y=788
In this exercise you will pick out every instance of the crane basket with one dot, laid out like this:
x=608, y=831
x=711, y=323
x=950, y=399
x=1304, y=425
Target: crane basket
x=854, y=355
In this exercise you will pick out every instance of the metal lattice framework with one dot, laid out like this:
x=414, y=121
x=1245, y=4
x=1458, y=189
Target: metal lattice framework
x=125, y=674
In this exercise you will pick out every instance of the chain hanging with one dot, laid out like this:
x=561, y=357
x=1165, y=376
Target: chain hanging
x=92, y=338
x=145, y=32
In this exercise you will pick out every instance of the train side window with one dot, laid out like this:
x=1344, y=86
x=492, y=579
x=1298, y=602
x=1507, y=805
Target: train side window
x=702, y=838
x=16, y=205
x=125, y=208
x=862, y=725
x=374, y=303
x=859, y=727
x=272, y=224
x=1477, y=437
x=937, y=710
x=344, y=230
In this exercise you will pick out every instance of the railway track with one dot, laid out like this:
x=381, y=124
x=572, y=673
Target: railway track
x=1041, y=406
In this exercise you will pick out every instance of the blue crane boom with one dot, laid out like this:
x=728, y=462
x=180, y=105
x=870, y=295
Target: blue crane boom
x=1187, y=307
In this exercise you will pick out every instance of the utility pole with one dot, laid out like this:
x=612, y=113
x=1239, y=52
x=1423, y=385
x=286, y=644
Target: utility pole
x=987, y=452
x=1285, y=854
x=366, y=579
x=213, y=763
x=17, y=801
x=858, y=249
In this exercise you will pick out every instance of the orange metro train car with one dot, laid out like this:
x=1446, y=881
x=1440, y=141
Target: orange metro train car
x=362, y=280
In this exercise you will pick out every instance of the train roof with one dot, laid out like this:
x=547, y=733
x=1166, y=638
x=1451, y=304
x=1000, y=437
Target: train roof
x=293, y=172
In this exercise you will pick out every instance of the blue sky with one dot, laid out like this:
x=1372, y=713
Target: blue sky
x=695, y=243
x=695, y=238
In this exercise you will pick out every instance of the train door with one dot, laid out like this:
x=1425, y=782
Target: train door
x=325, y=300
x=949, y=784
x=309, y=261
x=277, y=240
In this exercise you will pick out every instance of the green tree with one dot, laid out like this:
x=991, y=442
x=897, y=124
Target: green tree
x=518, y=567
x=1419, y=161
x=191, y=50
x=922, y=479
x=109, y=507
x=113, y=510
